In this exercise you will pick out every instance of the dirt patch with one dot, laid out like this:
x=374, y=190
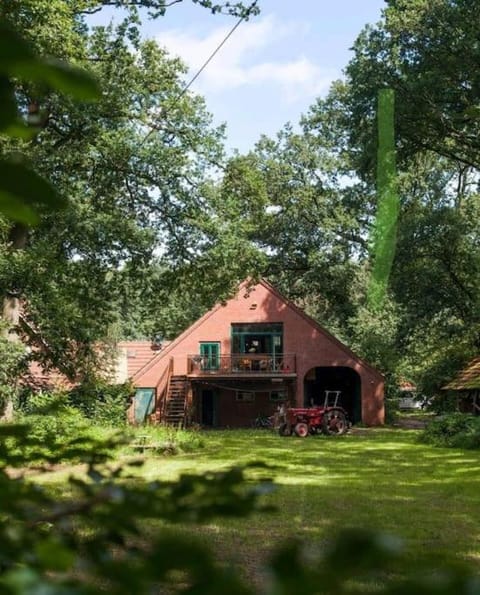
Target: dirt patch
x=412, y=422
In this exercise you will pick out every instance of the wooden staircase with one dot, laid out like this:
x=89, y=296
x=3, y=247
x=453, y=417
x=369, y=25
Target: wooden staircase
x=175, y=405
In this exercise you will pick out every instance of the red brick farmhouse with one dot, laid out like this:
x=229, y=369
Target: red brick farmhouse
x=244, y=357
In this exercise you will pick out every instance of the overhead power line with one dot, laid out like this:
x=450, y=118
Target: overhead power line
x=216, y=50
x=210, y=58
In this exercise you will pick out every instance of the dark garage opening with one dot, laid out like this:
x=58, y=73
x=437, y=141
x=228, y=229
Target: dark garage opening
x=334, y=378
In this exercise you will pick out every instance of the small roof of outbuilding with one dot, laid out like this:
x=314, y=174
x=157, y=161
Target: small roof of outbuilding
x=466, y=379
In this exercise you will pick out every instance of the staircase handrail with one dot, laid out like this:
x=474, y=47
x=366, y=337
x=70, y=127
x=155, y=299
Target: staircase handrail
x=163, y=386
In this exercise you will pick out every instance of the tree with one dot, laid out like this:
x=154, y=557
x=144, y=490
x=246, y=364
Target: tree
x=133, y=165
x=22, y=191
x=427, y=52
x=307, y=219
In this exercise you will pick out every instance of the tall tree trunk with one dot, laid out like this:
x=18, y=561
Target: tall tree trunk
x=11, y=306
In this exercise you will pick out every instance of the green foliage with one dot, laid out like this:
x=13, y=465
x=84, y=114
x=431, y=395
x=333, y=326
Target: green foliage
x=426, y=53
x=416, y=51
x=105, y=404
x=376, y=337
x=302, y=218
x=392, y=409
x=167, y=440
x=458, y=430
x=54, y=424
x=53, y=545
x=137, y=166
x=23, y=191
x=446, y=402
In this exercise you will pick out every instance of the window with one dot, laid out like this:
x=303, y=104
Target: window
x=278, y=395
x=210, y=354
x=244, y=396
x=258, y=338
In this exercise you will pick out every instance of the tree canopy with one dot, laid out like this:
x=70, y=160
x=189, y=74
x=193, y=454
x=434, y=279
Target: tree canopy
x=136, y=167
x=155, y=208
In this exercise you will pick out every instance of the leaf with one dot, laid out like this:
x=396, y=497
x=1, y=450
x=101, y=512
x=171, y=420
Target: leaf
x=19, y=130
x=8, y=111
x=10, y=124
x=13, y=49
x=53, y=555
x=473, y=111
x=21, y=190
x=18, y=60
x=61, y=77
x=13, y=207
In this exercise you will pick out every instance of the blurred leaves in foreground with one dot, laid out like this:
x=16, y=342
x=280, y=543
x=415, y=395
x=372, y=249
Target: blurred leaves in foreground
x=22, y=191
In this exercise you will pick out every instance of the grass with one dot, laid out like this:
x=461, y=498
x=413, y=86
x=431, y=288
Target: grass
x=382, y=479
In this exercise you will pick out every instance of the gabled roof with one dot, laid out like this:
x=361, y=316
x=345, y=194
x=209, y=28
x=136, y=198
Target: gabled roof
x=245, y=285
x=466, y=379
x=319, y=328
x=180, y=338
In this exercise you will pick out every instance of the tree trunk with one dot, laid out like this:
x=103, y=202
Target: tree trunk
x=11, y=306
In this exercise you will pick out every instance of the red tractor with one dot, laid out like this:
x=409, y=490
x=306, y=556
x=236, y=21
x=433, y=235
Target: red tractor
x=331, y=418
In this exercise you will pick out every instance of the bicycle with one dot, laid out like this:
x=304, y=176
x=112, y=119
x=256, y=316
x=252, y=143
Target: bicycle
x=263, y=421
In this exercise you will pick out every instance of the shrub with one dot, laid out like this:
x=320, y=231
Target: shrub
x=12, y=364
x=443, y=403
x=54, y=423
x=453, y=430
x=105, y=404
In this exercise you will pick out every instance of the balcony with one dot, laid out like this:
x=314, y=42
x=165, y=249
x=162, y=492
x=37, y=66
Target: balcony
x=242, y=364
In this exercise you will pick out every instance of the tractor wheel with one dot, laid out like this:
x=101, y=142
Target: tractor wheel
x=285, y=430
x=334, y=423
x=301, y=430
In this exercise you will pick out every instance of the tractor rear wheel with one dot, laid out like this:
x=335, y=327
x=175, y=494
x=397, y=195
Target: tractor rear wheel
x=285, y=430
x=334, y=422
x=301, y=430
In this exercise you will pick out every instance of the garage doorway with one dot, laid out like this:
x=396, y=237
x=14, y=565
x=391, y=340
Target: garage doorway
x=335, y=378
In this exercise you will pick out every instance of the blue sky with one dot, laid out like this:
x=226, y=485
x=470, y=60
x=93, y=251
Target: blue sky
x=273, y=67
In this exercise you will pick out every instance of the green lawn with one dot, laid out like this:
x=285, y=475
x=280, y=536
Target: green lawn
x=376, y=478
x=382, y=479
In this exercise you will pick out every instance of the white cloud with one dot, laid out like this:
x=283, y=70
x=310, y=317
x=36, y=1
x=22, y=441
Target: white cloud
x=244, y=59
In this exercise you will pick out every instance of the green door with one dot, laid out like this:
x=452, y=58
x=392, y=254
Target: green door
x=210, y=353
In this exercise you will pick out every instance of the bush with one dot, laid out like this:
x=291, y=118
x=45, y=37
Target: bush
x=453, y=430
x=443, y=403
x=105, y=404
x=54, y=424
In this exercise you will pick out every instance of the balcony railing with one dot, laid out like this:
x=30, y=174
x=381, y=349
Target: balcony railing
x=242, y=364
